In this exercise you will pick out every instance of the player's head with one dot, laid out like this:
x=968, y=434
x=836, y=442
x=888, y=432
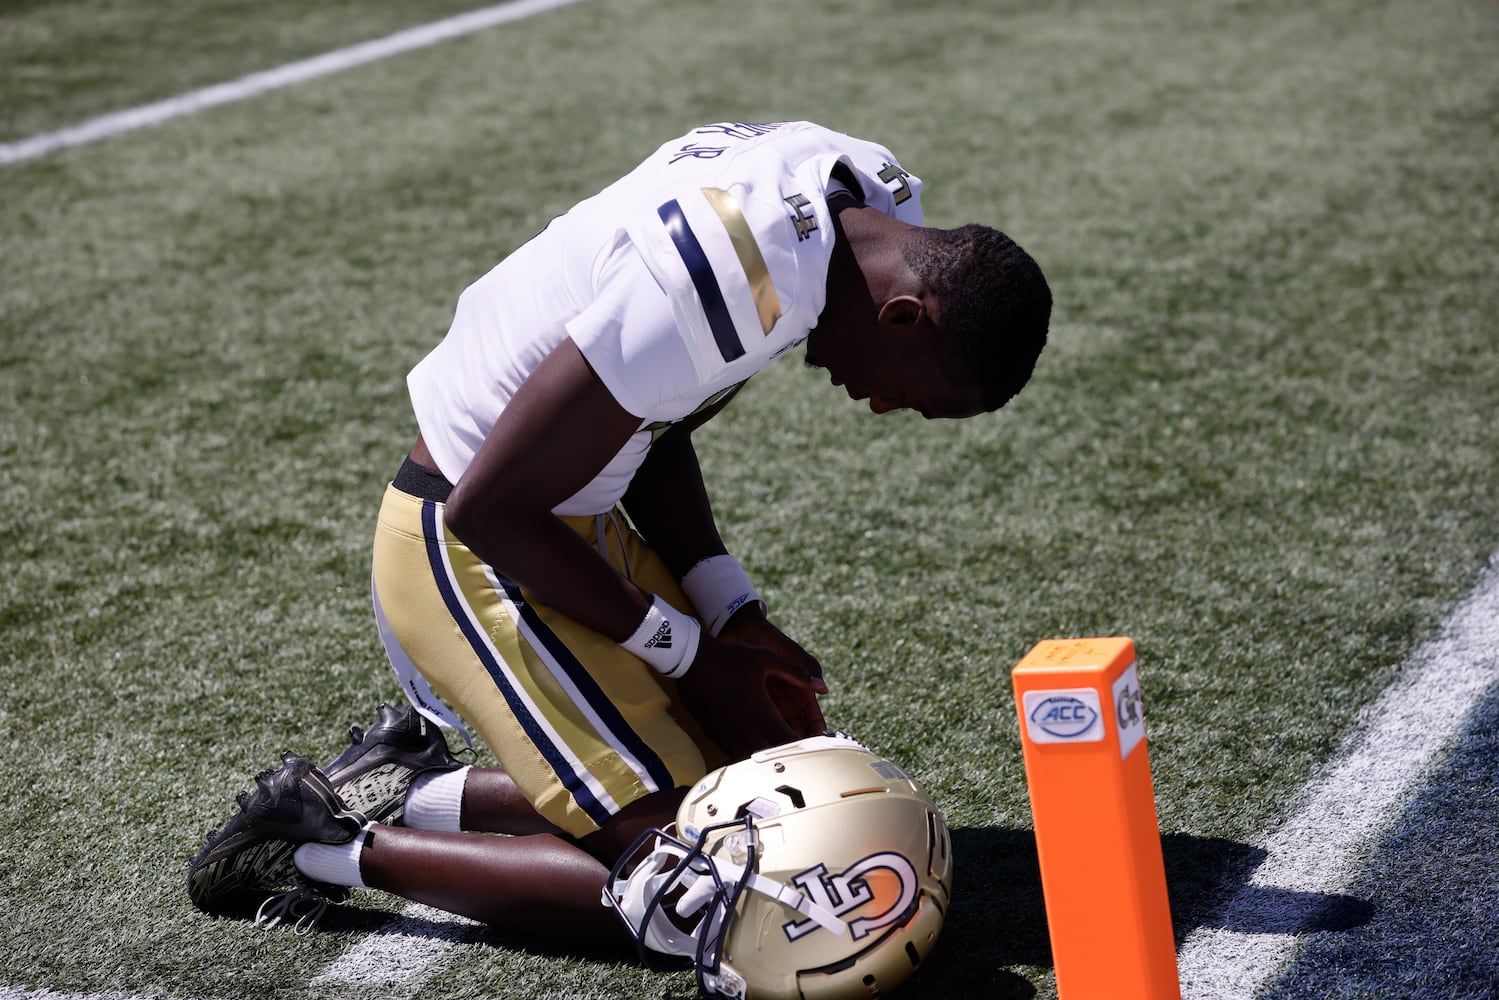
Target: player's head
x=946, y=322
x=993, y=304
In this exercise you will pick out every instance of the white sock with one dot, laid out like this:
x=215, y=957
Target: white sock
x=435, y=801
x=337, y=864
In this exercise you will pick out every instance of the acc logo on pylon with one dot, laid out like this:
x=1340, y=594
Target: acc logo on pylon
x=1070, y=716
x=882, y=885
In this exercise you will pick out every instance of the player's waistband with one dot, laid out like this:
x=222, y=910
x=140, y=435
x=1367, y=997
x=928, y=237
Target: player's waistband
x=421, y=483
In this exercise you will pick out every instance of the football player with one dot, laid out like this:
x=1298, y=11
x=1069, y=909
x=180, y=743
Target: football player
x=546, y=564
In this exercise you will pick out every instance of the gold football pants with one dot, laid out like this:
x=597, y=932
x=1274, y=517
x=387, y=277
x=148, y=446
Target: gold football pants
x=582, y=726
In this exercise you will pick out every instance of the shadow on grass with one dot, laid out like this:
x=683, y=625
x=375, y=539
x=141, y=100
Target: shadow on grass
x=998, y=917
x=436, y=925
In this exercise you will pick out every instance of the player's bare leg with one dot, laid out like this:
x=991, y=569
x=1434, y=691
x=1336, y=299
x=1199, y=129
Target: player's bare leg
x=540, y=883
x=493, y=804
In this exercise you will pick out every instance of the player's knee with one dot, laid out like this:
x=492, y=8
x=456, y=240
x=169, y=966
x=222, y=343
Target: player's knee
x=658, y=810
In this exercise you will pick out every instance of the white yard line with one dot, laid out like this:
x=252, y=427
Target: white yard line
x=1325, y=841
x=12, y=993
x=396, y=959
x=284, y=76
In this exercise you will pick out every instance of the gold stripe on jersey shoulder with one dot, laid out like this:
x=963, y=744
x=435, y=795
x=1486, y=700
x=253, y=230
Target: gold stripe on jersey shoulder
x=767, y=303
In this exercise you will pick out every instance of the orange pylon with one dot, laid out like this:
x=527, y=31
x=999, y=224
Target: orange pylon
x=1093, y=805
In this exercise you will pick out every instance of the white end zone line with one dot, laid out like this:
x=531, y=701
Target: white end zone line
x=284, y=76
x=1322, y=845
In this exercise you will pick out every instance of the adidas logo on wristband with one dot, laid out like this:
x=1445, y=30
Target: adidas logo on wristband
x=666, y=639
x=662, y=638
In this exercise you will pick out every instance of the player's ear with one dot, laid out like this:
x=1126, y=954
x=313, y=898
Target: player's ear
x=902, y=310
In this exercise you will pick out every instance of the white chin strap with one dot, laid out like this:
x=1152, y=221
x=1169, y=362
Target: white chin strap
x=653, y=876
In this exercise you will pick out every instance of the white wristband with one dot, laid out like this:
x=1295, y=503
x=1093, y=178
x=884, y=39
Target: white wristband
x=718, y=587
x=667, y=639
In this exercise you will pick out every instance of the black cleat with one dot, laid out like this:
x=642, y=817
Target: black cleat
x=252, y=854
x=373, y=774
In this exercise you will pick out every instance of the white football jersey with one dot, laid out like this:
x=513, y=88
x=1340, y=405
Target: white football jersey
x=677, y=282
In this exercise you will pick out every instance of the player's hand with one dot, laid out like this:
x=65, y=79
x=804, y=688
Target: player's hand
x=749, y=625
x=796, y=700
x=728, y=693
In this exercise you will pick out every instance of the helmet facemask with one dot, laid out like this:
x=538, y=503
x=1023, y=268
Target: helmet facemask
x=678, y=899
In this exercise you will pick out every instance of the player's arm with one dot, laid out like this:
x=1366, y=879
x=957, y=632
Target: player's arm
x=561, y=427
x=668, y=503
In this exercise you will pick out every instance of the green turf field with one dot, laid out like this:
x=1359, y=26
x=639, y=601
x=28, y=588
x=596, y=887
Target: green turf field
x=1262, y=441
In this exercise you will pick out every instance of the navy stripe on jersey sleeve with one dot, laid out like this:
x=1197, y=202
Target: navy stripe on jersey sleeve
x=703, y=278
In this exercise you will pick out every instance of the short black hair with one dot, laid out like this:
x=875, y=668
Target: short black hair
x=994, y=302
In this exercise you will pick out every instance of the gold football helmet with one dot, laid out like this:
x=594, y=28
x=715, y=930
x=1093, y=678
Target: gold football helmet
x=811, y=871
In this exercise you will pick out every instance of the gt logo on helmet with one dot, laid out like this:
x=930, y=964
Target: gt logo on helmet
x=886, y=880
